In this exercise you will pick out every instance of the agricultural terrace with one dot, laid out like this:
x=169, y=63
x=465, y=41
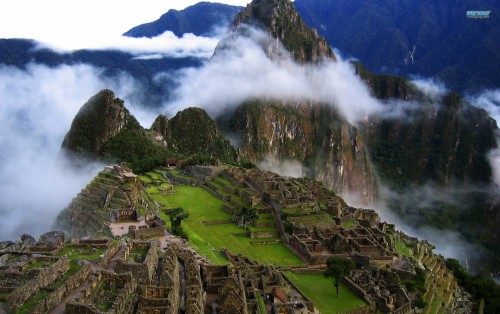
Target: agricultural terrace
x=208, y=238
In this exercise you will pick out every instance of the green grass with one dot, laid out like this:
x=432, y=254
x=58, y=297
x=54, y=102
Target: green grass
x=260, y=229
x=350, y=223
x=70, y=249
x=224, y=181
x=154, y=175
x=27, y=307
x=321, y=292
x=203, y=206
x=403, y=249
x=145, y=179
x=40, y=264
x=260, y=302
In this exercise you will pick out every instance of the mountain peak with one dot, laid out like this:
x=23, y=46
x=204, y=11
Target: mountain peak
x=283, y=22
x=100, y=118
x=200, y=19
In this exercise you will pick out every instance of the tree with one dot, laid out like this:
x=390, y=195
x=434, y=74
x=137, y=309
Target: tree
x=177, y=215
x=337, y=267
x=245, y=217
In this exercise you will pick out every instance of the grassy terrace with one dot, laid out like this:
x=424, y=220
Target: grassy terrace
x=321, y=292
x=350, y=223
x=209, y=239
x=401, y=247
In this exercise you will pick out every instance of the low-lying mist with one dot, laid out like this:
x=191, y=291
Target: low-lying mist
x=37, y=106
x=244, y=71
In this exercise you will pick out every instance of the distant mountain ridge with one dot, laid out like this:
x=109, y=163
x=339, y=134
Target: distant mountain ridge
x=21, y=52
x=431, y=38
x=200, y=19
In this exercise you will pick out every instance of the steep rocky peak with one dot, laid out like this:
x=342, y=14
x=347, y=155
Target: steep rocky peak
x=100, y=118
x=281, y=20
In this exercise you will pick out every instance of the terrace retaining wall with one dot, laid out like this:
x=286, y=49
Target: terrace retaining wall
x=45, y=278
x=56, y=297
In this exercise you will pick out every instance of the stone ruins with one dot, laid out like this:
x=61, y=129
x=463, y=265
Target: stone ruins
x=140, y=268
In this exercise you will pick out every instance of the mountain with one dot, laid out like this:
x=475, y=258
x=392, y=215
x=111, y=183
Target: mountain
x=443, y=141
x=104, y=129
x=21, y=52
x=447, y=140
x=282, y=130
x=283, y=22
x=411, y=37
x=201, y=19
x=192, y=131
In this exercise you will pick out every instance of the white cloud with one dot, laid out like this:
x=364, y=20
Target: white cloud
x=37, y=106
x=490, y=101
x=63, y=23
x=164, y=45
x=432, y=88
x=244, y=71
x=287, y=168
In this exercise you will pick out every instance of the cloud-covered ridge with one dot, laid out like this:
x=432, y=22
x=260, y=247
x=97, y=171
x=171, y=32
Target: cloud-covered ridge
x=245, y=70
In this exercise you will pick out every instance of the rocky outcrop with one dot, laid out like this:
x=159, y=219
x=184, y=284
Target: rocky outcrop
x=102, y=117
x=444, y=139
x=282, y=21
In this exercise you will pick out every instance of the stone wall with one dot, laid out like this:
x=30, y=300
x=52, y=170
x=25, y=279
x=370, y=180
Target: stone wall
x=358, y=291
x=110, y=252
x=47, y=250
x=45, y=278
x=56, y=297
x=229, y=209
x=263, y=234
x=142, y=272
x=178, y=180
x=85, y=301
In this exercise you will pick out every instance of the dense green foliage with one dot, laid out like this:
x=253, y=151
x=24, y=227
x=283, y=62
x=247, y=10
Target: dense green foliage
x=479, y=287
x=245, y=217
x=193, y=133
x=177, y=216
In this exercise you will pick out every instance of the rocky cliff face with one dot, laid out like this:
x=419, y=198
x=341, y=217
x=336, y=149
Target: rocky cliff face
x=443, y=139
x=282, y=21
x=316, y=135
x=329, y=148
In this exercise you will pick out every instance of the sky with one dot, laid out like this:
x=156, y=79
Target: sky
x=80, y=24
